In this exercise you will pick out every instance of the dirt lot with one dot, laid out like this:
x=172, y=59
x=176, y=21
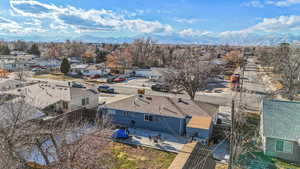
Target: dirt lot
x=100, y=152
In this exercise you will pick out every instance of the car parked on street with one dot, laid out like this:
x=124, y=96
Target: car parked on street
x=106, y=89
x=160, y=87
x=78, y=85
x=119, y=79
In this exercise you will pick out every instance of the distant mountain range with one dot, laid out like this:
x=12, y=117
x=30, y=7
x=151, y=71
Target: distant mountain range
x=250, y=39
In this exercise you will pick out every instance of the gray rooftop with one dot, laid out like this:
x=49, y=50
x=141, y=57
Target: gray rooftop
x=162, y=106
x=42, y=95
x=281, y=119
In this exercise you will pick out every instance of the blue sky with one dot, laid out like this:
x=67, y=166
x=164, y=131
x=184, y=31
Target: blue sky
x=128, y=18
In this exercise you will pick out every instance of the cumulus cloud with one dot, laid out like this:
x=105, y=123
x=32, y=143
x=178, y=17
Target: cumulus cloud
x=256, y=4
x=191, y=32
x=187, y=21
x=85, y=20
x=284, y=3
x=268, y=25
x=10, y=26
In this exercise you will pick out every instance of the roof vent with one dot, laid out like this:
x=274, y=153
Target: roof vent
x=140, y=96
x=149, y=98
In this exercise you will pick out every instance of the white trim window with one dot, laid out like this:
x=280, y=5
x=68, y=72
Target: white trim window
x=148, y=117
x=284, y=146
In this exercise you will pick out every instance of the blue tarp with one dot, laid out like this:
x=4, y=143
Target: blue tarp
x=120, y=134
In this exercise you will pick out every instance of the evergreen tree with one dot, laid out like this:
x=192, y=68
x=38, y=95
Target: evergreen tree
x=101, y=55
x=35, y=50
x=65, y=66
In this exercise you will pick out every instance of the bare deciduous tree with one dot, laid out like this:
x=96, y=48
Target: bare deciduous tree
x=191, y=73
x=289, y=65
x=143, y=50
x=58, y=142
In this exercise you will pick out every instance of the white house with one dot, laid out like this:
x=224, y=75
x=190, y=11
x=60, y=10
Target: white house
x=57, y=98
x=88, y=70
x=11, y=63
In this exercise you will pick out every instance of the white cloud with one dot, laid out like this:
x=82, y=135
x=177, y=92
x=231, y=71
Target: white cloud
x=187, y=21
x=284, y=3
x=85, y=20
x=255, y=3
x=10, y=26
x=269, y=25
x=191, y=32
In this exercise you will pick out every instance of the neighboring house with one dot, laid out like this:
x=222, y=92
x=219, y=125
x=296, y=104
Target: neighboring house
x=7, y=84
x=88, y=70
x=56, y=98
x=51, y=63
x=142, y=73
x=171, y=115
x=157, y=74
x=280, y=129
x=151, y=73
x=11, y=63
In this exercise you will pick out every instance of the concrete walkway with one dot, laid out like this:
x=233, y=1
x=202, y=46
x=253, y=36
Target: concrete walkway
x=167, y=142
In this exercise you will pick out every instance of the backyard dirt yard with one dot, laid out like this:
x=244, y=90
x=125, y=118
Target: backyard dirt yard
x=103, y=153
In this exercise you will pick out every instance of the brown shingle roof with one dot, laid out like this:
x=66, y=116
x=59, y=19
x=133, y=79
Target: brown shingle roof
x=200, y=122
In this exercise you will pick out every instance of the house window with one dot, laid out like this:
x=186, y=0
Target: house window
x=65, y=105
x=279, y=145
x=85, y=101
x=111, y=112
x=288, y=147
x=125, y=113
x=148, y=118
x=284, y=146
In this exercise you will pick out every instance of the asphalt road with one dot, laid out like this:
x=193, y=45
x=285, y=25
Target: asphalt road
x=255, y=90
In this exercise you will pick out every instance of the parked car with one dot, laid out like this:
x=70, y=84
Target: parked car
x=96, y=77
x=36, y=69
x=119, y=79
x=78, y=85
x=106, y=89
x=160, y=88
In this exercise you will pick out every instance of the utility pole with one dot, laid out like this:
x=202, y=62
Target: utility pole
x=232, y=135
x=233, y=120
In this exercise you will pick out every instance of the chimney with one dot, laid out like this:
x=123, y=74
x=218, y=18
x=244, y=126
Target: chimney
x=179, y=100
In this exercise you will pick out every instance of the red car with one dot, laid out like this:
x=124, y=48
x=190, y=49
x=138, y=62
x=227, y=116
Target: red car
x=119, y=79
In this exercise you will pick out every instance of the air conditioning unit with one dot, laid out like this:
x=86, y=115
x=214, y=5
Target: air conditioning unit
x=298, y=141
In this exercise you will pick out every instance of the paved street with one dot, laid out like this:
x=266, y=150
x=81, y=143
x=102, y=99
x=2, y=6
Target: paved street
x=253, y=84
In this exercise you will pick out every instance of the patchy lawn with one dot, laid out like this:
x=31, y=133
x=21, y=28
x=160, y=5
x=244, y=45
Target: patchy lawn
x=54, y=77
x=128, y=157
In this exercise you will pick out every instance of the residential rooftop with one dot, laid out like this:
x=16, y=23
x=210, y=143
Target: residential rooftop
x=166, y=106
x=42, y=95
